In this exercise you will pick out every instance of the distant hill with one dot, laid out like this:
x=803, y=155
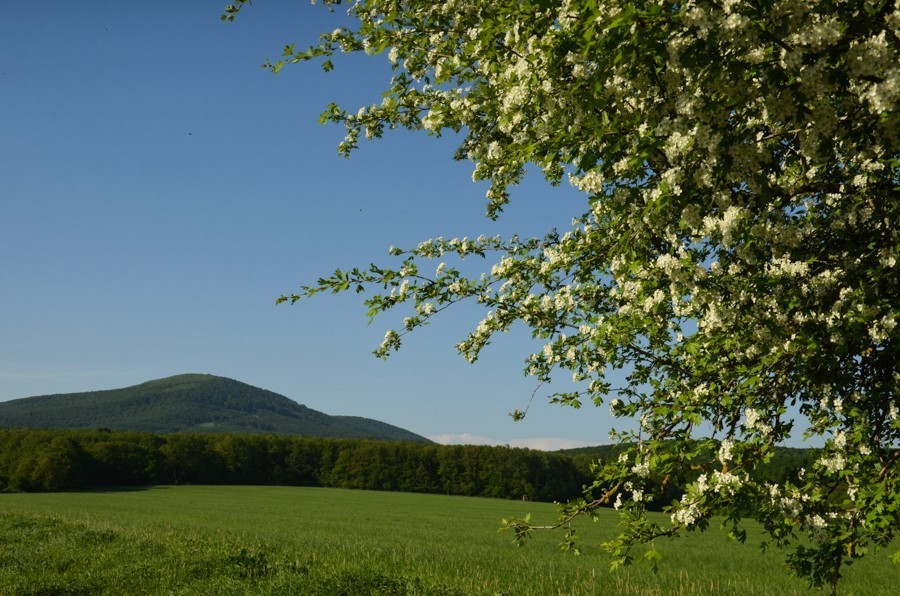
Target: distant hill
x=191, y=403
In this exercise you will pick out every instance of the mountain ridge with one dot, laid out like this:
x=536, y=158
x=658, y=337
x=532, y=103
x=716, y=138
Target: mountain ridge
x=191, y=402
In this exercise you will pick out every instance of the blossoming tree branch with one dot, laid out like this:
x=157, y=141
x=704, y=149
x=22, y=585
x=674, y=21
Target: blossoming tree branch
x=737, y=255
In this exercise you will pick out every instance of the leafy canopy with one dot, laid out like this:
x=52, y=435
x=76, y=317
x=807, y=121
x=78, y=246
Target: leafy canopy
x=737, y=257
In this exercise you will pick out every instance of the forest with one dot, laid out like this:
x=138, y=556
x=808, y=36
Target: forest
x=55, y=460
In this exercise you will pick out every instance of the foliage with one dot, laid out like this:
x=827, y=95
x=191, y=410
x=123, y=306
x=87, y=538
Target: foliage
x=191, y=403
x=737, y=257
x=278, y=540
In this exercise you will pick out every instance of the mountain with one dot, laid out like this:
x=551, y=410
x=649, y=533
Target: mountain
x=191, y=403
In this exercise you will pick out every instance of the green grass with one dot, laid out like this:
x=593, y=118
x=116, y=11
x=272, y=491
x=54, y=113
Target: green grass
x=279, y=540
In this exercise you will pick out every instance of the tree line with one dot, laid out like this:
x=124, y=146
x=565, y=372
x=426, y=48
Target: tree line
x=55, y=460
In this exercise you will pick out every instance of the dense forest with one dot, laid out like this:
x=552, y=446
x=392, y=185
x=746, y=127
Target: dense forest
x=54, y=460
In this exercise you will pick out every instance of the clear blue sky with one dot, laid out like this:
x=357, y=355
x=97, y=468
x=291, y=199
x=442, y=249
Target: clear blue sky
x=158, y=191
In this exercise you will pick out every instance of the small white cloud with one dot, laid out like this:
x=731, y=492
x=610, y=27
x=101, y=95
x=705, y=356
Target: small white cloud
x=548, y=443
x=540, y=444
x=464, y=439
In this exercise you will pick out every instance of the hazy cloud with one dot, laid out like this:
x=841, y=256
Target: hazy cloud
x=542, y=443
x=549, y=443
x=463, y=439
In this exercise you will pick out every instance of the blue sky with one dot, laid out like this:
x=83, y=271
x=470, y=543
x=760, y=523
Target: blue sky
x=158, y=191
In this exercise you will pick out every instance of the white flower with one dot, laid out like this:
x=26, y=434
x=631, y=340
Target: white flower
x=642, y=470
x=702, y=484
x=726, y=482
x=833, y=464
x=840, y=439
x=686, y=514
x=753, y=421
x=725, y=451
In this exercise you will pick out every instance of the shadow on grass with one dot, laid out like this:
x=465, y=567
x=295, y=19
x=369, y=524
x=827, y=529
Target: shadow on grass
x=122, y=488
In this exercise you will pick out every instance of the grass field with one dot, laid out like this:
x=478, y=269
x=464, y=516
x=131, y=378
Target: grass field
x=280, y=540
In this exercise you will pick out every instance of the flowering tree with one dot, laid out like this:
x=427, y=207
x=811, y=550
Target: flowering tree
x=737, y=257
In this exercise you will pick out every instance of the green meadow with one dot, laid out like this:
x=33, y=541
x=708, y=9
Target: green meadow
x=286, y=540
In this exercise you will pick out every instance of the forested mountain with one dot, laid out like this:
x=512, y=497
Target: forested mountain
x=191, y=403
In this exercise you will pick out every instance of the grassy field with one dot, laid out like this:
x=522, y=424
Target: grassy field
x=280, y=540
